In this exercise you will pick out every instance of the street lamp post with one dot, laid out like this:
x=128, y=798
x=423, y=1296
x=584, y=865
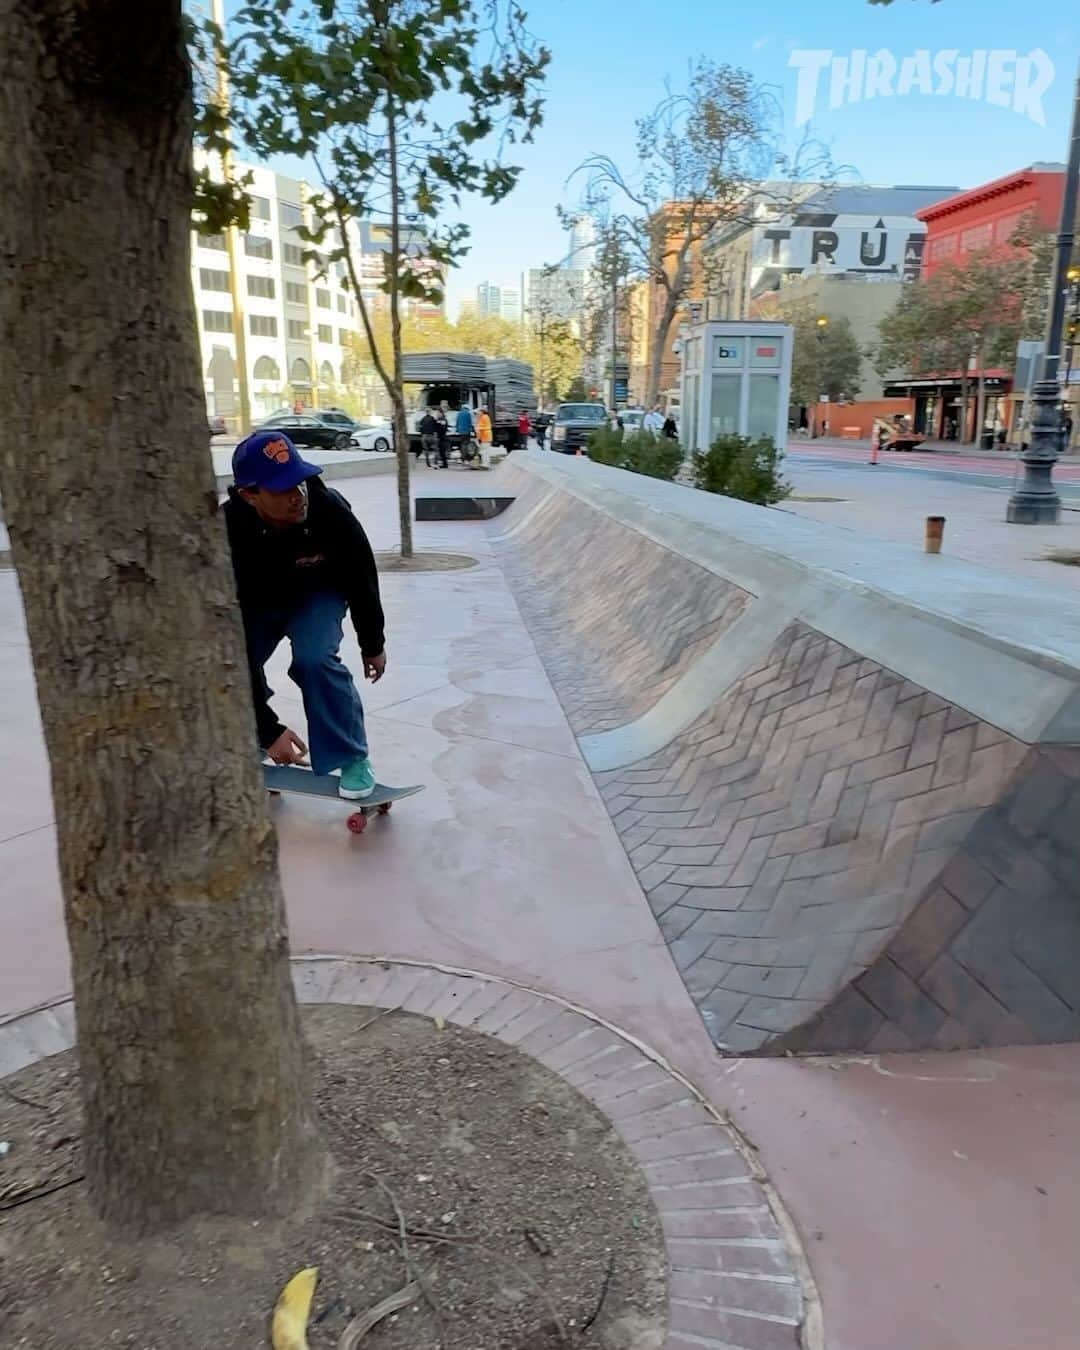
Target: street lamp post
x=1036, y=502
x=821, y=323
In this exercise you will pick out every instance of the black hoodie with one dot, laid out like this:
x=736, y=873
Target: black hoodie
x=277, y=568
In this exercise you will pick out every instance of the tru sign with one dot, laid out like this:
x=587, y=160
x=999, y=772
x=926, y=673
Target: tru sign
x=873, y=245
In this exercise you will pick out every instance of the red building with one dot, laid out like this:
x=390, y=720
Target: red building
x=981, y=218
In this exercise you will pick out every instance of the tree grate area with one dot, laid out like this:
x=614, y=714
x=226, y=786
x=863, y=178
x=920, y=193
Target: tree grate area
x=466, y=1176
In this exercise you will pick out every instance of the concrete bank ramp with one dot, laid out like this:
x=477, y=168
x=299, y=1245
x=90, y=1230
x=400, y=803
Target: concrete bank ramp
x=847, y=774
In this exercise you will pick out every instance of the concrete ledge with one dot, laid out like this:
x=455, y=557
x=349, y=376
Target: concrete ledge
x=846, y=775
x=972, y=635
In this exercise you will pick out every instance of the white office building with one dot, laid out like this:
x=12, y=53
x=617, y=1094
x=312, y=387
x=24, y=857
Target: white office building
x=297, y=325
x=497, y=302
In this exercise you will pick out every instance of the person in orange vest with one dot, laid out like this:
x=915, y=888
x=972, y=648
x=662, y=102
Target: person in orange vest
x=483, y=436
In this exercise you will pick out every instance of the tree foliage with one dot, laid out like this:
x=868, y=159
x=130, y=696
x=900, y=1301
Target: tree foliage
x=402, y=107
x=978, y=307
x=548, y=345
x=825, y=359
x=701, y=158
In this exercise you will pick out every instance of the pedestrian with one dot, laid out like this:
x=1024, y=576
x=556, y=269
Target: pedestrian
x=670, y=430
x=1066, y=431
x=653, y=421
x=483, y=436
x=302, y=562
x=429, y=436
x=539, y=429
x=465, y=430
x=442, y=437
x=523, y=429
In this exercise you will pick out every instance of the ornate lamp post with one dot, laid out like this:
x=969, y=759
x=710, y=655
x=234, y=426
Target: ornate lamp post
x=1036, y=501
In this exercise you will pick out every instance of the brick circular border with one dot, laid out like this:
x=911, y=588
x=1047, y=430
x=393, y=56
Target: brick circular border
x=737, y=1276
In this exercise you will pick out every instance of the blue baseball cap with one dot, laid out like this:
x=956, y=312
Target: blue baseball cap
x=268, y=459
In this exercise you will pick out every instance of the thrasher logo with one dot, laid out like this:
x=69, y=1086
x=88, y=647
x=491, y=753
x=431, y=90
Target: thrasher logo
x=278, y=451
x=313, y=561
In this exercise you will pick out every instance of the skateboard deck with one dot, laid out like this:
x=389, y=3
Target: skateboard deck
x=294, y=778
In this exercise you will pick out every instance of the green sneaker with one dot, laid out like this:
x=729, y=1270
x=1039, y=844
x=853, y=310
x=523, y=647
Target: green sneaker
x=357, y=779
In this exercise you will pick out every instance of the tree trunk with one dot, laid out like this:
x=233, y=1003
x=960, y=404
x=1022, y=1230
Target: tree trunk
x=189, y=1045
x=401, y=445
x=965, y=385
x=397, y=395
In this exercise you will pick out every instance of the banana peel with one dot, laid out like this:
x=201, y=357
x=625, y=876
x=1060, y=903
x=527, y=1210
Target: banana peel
x=288, y=1327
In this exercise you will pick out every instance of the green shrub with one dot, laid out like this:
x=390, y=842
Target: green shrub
x=738, y=467
x=639, y=452
x=605, y=445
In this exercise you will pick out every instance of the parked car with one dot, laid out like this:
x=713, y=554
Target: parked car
x=218, y=426
x=573, y=423
x=310, y=430
x=373, y=436
x=337, y=417
x=632, y=419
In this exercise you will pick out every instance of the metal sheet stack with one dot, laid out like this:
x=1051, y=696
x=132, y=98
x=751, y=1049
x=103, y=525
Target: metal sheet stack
x=444, y=368
x=513, y=381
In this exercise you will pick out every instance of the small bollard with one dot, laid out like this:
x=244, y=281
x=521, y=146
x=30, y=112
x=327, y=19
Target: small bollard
x=874, y=451
x=935, y=530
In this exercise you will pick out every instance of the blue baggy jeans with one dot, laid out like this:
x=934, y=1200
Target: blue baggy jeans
x=335, y=715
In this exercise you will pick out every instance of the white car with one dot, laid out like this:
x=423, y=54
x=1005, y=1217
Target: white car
x=373, y=436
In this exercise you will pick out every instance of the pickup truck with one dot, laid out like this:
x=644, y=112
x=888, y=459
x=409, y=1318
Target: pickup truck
x=573, y=424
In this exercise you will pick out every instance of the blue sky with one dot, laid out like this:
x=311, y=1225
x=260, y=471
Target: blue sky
x=610, y=60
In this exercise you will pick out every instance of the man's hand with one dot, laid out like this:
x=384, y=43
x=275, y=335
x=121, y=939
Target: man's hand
x=375, y=667
x=288, y=749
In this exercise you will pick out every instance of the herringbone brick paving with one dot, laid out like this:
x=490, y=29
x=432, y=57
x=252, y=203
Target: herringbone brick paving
x=613, y=632
x=838, y=858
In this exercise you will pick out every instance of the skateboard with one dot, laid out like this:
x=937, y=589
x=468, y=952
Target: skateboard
x=293, y=778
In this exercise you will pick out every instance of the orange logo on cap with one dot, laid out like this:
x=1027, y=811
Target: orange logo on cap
x=278, y=451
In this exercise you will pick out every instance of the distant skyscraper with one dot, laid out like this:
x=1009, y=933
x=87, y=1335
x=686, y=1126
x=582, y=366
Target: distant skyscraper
x=498, y=302
x=582, y=252
x=562, y=291
x=488, y=299
x=510, y=303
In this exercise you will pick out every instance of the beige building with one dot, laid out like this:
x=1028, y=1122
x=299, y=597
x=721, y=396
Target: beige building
x=863, y=300
x=638, y=307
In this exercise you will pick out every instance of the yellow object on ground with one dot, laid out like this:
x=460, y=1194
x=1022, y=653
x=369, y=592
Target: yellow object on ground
x=288, y=1330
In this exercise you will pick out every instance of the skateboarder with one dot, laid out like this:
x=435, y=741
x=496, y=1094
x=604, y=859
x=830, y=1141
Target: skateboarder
x=301, y=561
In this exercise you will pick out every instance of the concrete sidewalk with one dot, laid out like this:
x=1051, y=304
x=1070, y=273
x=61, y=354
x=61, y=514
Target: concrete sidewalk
x=892, y=503
x=943, y=448
x=935, y=1194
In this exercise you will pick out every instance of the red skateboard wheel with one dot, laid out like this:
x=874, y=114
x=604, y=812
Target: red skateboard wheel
x=357, y=822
